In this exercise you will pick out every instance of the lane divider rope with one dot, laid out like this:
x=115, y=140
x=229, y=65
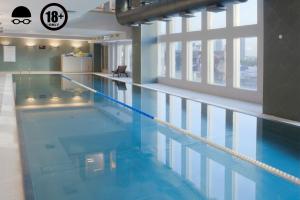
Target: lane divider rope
x=257, y=163
x=109, y=98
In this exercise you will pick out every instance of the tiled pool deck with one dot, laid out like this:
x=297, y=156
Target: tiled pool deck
x=11, y=181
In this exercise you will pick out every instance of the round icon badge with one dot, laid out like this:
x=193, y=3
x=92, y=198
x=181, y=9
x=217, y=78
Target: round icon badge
x=54, y=16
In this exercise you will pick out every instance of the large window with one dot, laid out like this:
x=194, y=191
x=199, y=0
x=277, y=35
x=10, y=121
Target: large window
x=195, y=23
x=245, y=57
x=121, y=55
x=176, y=25
x=162, y=56
x=245, y=13
x=194, y=60
x=176, y=60
x=217, y=62
x=215, y=52
x=128, y=56
x=216, y=20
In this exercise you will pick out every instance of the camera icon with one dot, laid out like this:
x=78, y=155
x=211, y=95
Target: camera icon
x=21, y=14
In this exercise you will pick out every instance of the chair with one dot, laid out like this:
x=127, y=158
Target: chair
x=120, y=71
x=121, y=85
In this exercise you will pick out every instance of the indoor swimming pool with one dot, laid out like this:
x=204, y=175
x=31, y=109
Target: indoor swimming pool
x=77, y=144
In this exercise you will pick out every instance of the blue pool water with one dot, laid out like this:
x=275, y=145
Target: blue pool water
x=78, y=145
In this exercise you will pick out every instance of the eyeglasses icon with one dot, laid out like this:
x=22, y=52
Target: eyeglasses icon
x=18, y=21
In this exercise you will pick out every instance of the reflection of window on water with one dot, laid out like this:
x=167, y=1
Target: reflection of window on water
x=245, y=134
x=94, y=163
x=217, y=62
x=161, y=148
x=175, y=156
x=243, y=188
x=195, y=59
x=216, y=180
x=193, y=167
x=246, y=63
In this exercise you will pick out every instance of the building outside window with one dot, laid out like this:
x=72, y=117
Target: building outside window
x=194, y=61
x=217, y=61
x=176, y=60
x=245, y=57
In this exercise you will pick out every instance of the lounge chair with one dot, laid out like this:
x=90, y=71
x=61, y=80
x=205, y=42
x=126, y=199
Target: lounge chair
x=120, y=71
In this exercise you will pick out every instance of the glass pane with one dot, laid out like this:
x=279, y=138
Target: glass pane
x=128, y=57
x=217, y=62
x=176, y=60
x=162, y=28
x=121, y=55
x=216, y=20
x=162, y=56
x=195, y=23
x=176, y=25
x=245, y=13
x=195, y=58
x=246, y=63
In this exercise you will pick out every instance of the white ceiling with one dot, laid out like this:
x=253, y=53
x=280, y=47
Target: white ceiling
x=83, y=23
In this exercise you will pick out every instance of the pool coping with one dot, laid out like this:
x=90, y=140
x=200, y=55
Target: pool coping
x=12, y=179
x=259, y=115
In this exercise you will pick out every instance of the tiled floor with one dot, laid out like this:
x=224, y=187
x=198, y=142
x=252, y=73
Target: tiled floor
x=11, y=182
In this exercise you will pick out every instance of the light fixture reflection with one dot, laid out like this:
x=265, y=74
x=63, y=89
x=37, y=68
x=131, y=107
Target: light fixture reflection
x=30, y=43
x=55, y=99
x=77, y=98
x=30, y=99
